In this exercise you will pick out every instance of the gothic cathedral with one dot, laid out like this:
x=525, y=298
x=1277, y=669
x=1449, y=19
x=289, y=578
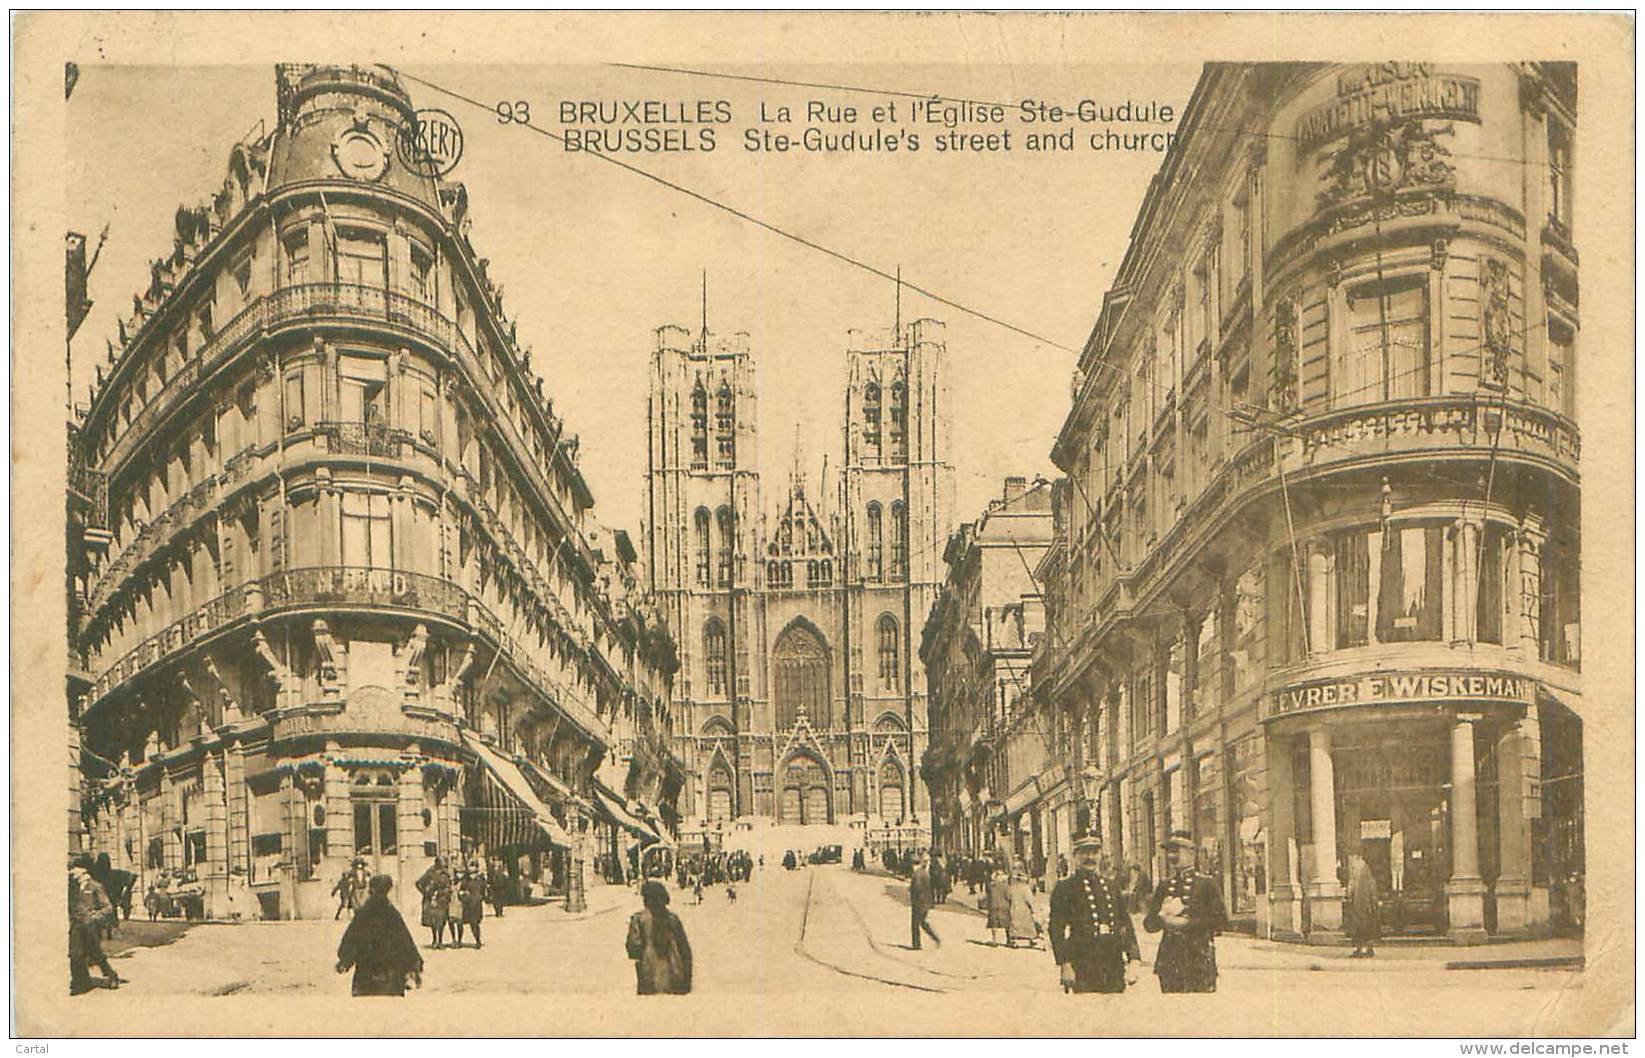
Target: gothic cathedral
x=800, y=698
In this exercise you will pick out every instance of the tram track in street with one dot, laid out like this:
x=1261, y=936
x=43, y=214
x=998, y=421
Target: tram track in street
x=800, y=948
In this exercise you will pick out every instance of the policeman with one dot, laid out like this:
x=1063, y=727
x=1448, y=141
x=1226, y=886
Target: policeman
x=1187, y=906
x=1091, y=934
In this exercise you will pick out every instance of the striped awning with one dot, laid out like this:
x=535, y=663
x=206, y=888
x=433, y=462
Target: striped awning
x=612, y=807
x=510, y=812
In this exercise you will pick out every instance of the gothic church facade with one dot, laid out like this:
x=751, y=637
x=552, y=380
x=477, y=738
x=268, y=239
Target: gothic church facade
x=801, y=698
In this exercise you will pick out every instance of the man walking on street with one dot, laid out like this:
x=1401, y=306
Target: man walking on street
x=1187, y=906
x=1091, y=934
x=89, y=912
x=920, y=899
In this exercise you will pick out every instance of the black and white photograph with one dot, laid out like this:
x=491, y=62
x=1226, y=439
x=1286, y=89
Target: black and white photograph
x=823, y=524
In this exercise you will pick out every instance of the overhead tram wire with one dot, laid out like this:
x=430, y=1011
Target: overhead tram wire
x=750, y=218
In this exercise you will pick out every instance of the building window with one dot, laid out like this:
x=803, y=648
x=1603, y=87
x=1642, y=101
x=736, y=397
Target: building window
x=1559, y=609
x=899, y=542
x=1385, y=356
x=714, y=655
x=728, y=545
x=1411, y=589
x=871, y=420
x=725, y=426
x=890, y=661
x=367, y=532
x=899, y=421
x=1493, y=589
x=295, y=413
x=1559, y=174
x=1353, y=554
x=800, y=664
x=700, y=532
x=422, y=270
x=296, y=245
x=1561, y=368
x=363, y=390
x=875, y=542
x=362, y=258
x=241, y=271
x=699, y=427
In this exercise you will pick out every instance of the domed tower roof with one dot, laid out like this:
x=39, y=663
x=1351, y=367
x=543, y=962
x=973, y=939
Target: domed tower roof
x=345, y=124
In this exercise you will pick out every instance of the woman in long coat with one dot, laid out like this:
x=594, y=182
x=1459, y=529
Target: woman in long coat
x=1023, y=921
x=657, y=944
x=471, y=901
x=1361, y=917
x=435, y=885
x=998, y=900
x=378, y=946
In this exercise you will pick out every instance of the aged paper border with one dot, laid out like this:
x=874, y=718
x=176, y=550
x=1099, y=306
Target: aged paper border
x=1602, y=44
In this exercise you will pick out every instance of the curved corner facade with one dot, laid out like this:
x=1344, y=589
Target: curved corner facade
x=1315, y=588
x=347, y=597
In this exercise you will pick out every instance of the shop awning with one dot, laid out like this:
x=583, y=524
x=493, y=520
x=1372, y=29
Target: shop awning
x=513, y=814
x=612, y=807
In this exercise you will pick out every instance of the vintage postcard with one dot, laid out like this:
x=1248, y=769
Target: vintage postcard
x=807, y=524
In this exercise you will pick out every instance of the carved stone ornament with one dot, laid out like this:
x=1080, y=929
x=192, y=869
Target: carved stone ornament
x=1285, y=354
x=358, y=152
x=1379, y=159
x=1497, y=323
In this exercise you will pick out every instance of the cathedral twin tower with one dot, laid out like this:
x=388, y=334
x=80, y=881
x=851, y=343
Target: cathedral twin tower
x=800, y=697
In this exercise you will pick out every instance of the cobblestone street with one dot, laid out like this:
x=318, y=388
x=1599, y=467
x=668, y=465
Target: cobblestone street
x=833, y=935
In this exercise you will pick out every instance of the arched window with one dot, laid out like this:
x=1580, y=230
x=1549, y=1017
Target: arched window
x=721, y=793
x=889, y=650
x=875, y=567
x=891, y=790
x=700, y=528
x=899, y=542
x=725, y=426
x=699, y=427
x=800, y=664
x=728, y=545
x=899, y=421
x=871, y=420
x=714, y=656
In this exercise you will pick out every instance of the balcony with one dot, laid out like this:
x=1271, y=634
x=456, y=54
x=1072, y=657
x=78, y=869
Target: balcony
x=346, y=587
x=373, y=439
x=1430, y=426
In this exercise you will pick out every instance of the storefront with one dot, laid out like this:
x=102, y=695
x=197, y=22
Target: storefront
x=1431, y=776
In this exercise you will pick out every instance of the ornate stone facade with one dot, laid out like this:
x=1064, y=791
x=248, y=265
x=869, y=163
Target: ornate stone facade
x=801, y=699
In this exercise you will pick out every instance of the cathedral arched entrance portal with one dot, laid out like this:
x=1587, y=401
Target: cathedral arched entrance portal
x=807, y=797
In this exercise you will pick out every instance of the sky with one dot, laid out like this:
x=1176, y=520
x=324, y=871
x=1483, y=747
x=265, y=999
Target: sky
x=592, y=258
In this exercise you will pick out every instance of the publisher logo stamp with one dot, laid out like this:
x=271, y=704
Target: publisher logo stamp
x=432, y=144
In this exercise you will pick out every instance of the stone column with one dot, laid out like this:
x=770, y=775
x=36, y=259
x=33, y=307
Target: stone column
x=1513, y=886
x=1324, y=890
x=1284, y=894
x=1465, y=892
x=412, y=860
x=77, y=825
x=1319, y=609
x=172, y=841
x=239, y=820
x=1465, y=607
x=1529, y=554
x=216, y=805
x=293, y=853
x=339, y=818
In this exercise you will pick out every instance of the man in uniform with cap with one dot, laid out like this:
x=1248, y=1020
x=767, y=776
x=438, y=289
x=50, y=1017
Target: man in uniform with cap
x=1091, y=934
x=1187, y=906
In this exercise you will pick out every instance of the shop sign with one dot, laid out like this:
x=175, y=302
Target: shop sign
x=1373, y=829
x=1388, y=688
x=1388, y=92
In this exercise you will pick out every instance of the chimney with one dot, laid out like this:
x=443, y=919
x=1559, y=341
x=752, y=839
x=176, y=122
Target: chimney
x=1015, y=486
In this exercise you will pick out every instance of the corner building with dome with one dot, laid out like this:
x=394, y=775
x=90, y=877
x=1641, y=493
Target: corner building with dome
x=344, y=594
